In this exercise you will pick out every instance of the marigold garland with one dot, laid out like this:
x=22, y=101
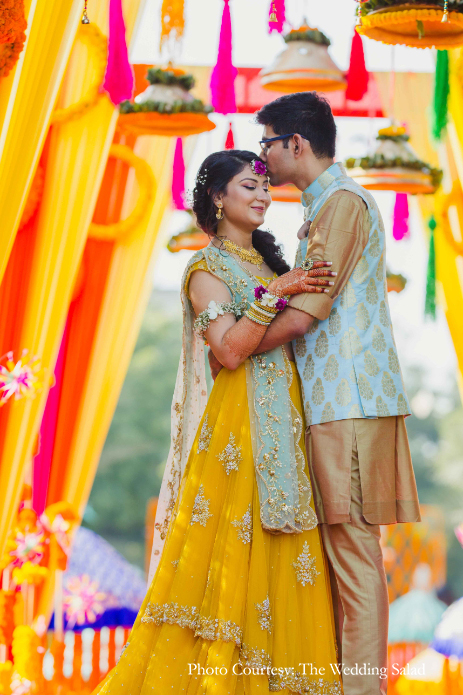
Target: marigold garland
x=6, y=671
x=7, y=599
x=12, y=20
x=93, y=37
x=9, y=54
x=25, y=648
x=147, y=186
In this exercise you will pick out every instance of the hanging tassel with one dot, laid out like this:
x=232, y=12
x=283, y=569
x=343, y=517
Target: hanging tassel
x=172, y=20
x=357, y=75
x=118, y=80
x=223, y=75
x=430, y=302
x=178, y=177
x=400, y=218
x=441, y=95
x=276, y=16
x=230, y=141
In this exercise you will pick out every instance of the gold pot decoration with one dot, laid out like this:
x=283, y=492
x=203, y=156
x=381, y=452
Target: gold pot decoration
x=166, y=107
x=394, y=166
x=424, y=25
x=305, y=65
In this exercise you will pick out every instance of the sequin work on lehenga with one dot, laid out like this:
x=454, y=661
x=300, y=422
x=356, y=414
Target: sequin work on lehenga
x=230, y=603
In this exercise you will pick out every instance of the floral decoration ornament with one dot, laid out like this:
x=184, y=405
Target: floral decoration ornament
x=21, y=379
x=215, y=310
x=83, y=602
x=259, y=168
x=268, y=299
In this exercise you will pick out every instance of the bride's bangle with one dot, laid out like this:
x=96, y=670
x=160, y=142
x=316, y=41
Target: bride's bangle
x=265, y=306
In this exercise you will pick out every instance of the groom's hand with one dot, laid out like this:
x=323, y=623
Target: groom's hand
x=299, y=281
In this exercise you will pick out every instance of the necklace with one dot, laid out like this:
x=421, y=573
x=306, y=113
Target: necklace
x=251, y=256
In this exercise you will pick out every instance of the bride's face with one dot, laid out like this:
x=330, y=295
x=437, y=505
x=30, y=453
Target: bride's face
x=246, y=200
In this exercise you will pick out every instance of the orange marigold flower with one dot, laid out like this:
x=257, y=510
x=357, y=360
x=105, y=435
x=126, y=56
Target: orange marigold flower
x=12, y=20
x=9, y=53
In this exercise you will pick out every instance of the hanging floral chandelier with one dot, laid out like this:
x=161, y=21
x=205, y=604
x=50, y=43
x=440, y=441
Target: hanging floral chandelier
x=304, y=65
x=190, y=239
x=434, y=23
x=394, y=166
x=166, y=107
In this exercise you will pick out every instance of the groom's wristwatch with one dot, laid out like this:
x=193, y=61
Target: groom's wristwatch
x=307, y=264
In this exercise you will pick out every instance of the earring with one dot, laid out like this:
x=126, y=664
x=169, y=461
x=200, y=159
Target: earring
x=219, y=213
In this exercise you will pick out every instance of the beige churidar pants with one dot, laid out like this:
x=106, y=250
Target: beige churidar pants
x=360, y=598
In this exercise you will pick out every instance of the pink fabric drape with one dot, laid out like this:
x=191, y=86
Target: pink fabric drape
x=42, y=462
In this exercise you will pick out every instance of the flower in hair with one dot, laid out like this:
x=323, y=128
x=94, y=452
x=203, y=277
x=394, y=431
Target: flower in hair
x=258, y=167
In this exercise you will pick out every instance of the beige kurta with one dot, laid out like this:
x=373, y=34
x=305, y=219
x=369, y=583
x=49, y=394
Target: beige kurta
x=340, y=234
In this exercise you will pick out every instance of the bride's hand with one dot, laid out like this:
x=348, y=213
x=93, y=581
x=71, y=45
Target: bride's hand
x=299, y=281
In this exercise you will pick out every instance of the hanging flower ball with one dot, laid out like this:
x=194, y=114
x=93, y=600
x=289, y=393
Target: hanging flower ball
x=82, y=601
x=28, y=547
x=21, y=379
x=10, y=52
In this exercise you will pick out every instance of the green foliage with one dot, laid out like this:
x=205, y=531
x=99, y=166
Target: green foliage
x=436, y=444
x=379, y=161
x=312, y=35
x=133, y=458
x=372, y=5
x=195, y=106
x=168, y=77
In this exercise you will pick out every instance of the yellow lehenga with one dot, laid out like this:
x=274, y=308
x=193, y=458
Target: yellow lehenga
x=232, y=609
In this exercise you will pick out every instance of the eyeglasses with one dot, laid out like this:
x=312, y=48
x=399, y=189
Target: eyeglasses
x=263, y=143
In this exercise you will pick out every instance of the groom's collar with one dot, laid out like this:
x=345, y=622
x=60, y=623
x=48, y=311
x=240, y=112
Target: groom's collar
x=321, y=183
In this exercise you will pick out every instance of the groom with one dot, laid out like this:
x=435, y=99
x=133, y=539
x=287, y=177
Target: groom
x=355, y=401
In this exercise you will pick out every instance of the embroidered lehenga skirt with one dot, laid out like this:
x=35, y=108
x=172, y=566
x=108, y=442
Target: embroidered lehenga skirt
x=232, y=609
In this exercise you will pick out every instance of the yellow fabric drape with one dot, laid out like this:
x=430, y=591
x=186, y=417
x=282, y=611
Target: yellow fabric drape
x=415, y=113
x=27, y=99
x=127, y=292
x=76, y=158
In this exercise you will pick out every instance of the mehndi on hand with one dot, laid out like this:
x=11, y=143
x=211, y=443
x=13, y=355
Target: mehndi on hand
x=299, y=281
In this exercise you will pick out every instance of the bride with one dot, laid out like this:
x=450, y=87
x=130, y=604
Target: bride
x=240, y=601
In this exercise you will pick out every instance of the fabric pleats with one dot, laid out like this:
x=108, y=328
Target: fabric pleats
x=230, y=601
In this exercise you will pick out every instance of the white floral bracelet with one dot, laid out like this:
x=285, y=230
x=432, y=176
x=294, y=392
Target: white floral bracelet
x=214, y=310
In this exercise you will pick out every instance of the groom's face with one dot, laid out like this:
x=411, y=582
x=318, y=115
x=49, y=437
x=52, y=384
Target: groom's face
x=279, y=159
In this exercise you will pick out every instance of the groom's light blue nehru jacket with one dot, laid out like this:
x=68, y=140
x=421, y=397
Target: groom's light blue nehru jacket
x=348, y=359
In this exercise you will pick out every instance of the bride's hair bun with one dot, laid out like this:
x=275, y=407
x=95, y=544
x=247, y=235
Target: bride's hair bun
x=213, y=176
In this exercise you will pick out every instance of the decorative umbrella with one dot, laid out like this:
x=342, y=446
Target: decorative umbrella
x=191, y=238
x=101, y=589
x=434, y=23
x=448, y=637
x=394, y=166
x=304, y=65
x=166, y=107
